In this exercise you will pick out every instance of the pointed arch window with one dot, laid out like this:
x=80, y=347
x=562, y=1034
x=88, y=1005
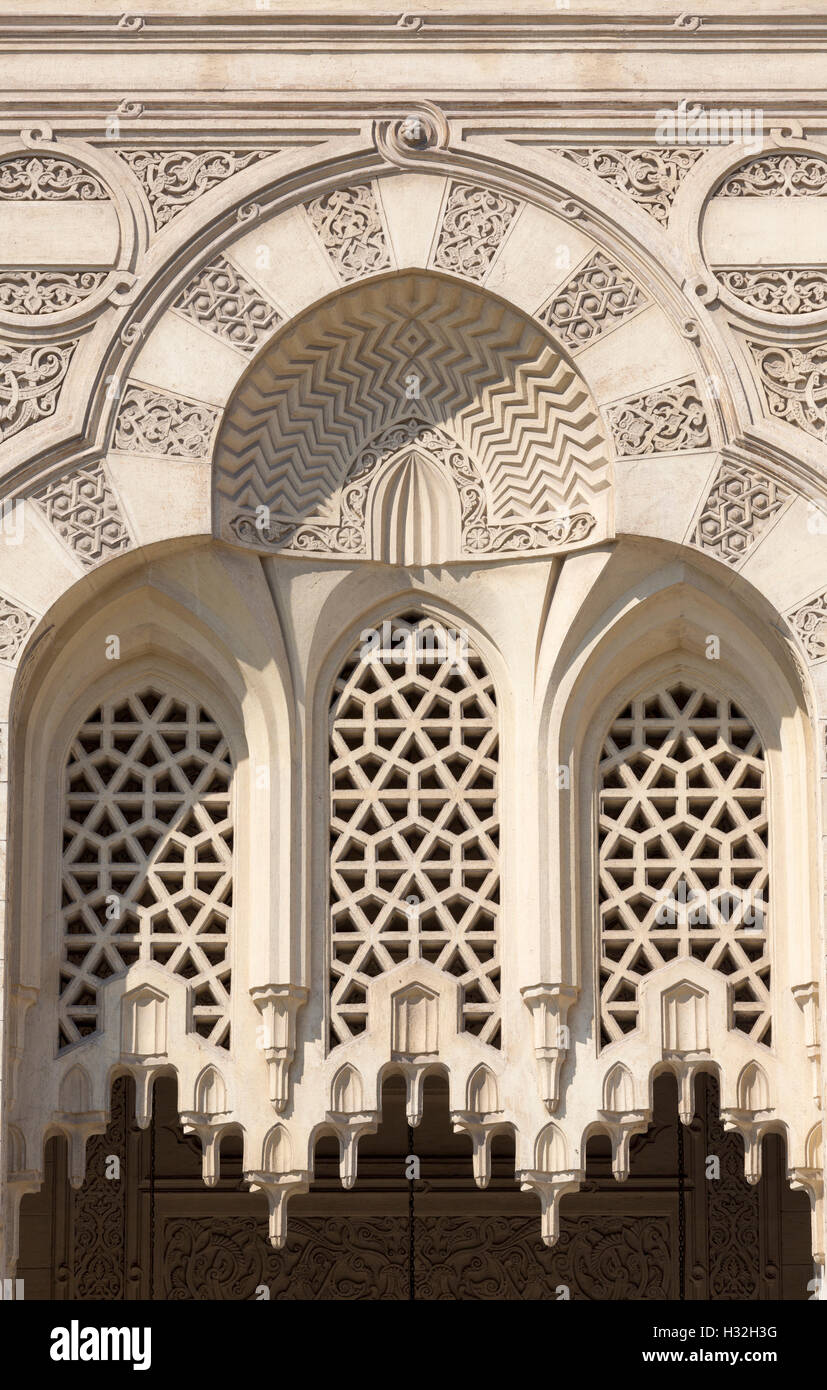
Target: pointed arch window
x=414, y=829
x=147, y=866
x=683, y=853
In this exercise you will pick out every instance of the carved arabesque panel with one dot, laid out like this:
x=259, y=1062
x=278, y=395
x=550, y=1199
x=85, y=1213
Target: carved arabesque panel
x=683, y=853
x=172, y=179
x=147, y=857
x=794, y=381
x=414, y=860
x=651, y=177
x=781, y=175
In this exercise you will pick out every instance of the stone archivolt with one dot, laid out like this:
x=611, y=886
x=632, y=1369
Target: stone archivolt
x=503, y=415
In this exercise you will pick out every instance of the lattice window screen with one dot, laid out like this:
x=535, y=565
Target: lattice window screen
x=413, y=776
x=683, y=854
x=147, y=857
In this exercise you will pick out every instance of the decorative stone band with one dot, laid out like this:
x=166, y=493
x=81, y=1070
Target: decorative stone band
x=670, y=419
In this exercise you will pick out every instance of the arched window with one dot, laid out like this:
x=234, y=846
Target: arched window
x=683, y=852
x=414, y=858
x=147, y=857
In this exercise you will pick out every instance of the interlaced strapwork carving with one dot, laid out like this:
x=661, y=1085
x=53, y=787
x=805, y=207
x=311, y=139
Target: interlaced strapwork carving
x=147, y=858
x=683, y=858
x=414, y=860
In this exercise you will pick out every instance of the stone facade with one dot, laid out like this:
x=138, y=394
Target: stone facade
x=413, y=581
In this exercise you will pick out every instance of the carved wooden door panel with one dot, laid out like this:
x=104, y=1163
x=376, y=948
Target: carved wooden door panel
x=669, y=1232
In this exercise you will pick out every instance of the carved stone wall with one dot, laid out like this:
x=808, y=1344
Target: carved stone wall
x=314, y=326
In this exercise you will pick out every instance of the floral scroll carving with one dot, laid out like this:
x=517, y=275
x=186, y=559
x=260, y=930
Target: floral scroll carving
x=787, y=175
x=467, y=1258
x=651, y=177
x=670, y=419
x=474, y=223
x=809, y=623
x=172, y=179
x=31, y=379
x=15, y=624
x=349, y=227
x=46, y=291
x=795, y=384
x=154, y=422
x=777, y=289
x=34, y=178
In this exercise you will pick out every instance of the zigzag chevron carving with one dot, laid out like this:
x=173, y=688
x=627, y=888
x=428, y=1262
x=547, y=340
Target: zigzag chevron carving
x=472, y=367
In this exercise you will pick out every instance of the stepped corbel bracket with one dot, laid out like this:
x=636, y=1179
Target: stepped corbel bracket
x=78, y=1129
x=278, y=1188
x=806, y=997
x=549, y=1006
x=349, y=1130
x=210, y=1131
x=622, y=1126
x=752, y=1130
x=278, y=1006
x=480, y=1130
x=550, y=1188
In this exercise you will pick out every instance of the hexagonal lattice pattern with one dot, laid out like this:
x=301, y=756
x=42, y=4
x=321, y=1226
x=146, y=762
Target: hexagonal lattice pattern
x=683, y=862
x=147, y=857
x=414, y=861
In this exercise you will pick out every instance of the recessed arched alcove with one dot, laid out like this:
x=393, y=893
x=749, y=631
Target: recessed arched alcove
x=418, y=369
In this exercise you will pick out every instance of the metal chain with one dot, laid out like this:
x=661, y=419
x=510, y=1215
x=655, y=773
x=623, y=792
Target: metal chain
x=681, y=1217
x=411, y=1217
x=152, y=1202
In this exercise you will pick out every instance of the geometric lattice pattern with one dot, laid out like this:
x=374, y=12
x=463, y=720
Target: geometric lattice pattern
x=147, y=858
x=597, y=298
x=464, y=362
x=683, y=853
x=741, y=504
x=84, y=511
x=414, y=860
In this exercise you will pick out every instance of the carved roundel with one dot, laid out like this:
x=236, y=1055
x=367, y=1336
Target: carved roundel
x=412, y=420
x=67, y=236
x=770, y=258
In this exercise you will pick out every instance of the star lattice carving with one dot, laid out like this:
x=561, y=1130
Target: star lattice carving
x=683, y=857
x=147, y=858
x=414, y=860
